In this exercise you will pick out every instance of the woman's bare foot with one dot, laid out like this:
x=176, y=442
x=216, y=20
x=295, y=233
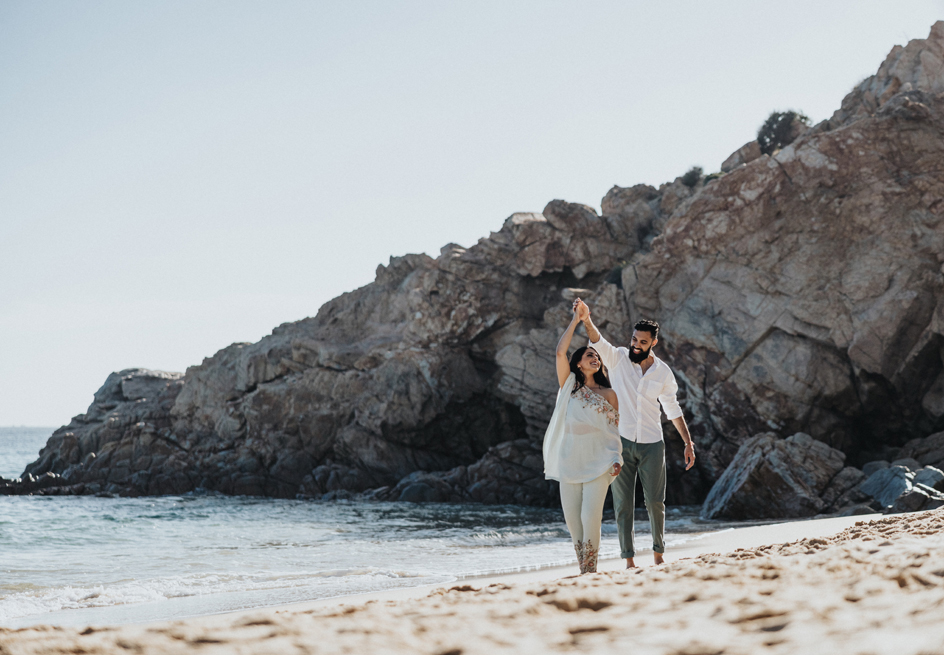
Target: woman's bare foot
x=658, y=558
x=630, y=564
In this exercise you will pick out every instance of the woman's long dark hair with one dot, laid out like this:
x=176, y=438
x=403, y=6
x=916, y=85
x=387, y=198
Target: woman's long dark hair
x=599, y=377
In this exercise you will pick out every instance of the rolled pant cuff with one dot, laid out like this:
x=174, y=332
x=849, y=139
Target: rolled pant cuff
x=659, y=549
x=626, y=554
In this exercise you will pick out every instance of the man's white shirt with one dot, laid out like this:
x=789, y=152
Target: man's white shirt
x=640, y=395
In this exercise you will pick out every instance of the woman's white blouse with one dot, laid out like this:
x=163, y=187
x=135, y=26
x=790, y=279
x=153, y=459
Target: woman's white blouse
x=582, y=440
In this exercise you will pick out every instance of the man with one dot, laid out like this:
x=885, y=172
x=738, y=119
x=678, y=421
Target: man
x=642, y=382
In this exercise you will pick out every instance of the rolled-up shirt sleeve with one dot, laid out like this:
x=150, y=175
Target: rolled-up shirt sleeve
x=667, y=398
x=607, y=352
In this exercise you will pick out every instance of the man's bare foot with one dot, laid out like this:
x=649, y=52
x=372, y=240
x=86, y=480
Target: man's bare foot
x=658, y=558
x=630, y=564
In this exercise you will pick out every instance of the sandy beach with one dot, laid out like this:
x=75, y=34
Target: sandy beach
x=851, y=585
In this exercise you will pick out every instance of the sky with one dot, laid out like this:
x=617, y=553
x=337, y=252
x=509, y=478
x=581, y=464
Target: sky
x=179, y=176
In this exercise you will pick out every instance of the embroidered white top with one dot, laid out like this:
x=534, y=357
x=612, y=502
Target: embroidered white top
x=582, y=440
x=640, y=395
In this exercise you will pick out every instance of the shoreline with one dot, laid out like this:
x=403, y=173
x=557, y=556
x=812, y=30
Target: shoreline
x=866, y=584
x=716, y=541
x=206, y=555
x=723, y=541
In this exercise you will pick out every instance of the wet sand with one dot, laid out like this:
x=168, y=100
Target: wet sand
x=852, y=585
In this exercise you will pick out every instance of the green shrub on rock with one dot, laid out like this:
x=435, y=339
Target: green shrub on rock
x=780, y=129
x=692, y=176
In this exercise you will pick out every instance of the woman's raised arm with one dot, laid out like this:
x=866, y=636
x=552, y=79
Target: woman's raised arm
x=563, y=364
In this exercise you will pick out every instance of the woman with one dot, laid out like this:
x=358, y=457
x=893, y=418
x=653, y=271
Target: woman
x=582, y=447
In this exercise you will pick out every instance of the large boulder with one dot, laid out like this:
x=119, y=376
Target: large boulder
x=916, y=66
x=930, y=476
x=917, y=499
x=928, y=451
x=426, y=369
x=122, y=442
x=510, y=473
x=743, y=155
x=908, y=462
x=800, y=292
x=804, y=291
x=774, y=478
x=886, y=485
x=843, y=491
x=899, y=489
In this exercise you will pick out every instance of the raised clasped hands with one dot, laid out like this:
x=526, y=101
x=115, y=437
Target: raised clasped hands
x=581, y=310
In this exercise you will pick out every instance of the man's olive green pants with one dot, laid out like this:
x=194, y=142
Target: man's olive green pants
x=648, y=461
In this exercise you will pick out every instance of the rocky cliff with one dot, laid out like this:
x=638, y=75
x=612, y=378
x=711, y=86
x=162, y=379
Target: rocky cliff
x=798, y=292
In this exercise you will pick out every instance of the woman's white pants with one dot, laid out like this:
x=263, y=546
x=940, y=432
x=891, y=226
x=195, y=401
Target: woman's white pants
x=583, y=512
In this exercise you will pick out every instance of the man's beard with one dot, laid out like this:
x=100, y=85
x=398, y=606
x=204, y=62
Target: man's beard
x=639, y=358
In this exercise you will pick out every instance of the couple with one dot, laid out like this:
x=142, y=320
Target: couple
x=606, y=430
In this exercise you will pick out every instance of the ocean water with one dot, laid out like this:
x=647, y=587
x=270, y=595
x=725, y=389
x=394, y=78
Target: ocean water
x=90, y=560
x=19, y=447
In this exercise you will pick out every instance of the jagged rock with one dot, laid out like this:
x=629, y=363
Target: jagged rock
x=928, y=451
x=916, y=499
x=843, y=490
x=424, y=486
x=743, y=155
x=917, y=66
x=420, y=492
x=886, y=485
x=795, y=295
x=800, y=292
x=632, y=212
x=47, y=483
x=775, y=478
x=124, y=434
x=908, y=462
x=930, y=476
x=510, y=473
x=332, y=477
x=912, y=500
x=395, y=377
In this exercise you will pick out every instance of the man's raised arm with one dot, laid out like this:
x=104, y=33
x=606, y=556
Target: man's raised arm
x=608, y=353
